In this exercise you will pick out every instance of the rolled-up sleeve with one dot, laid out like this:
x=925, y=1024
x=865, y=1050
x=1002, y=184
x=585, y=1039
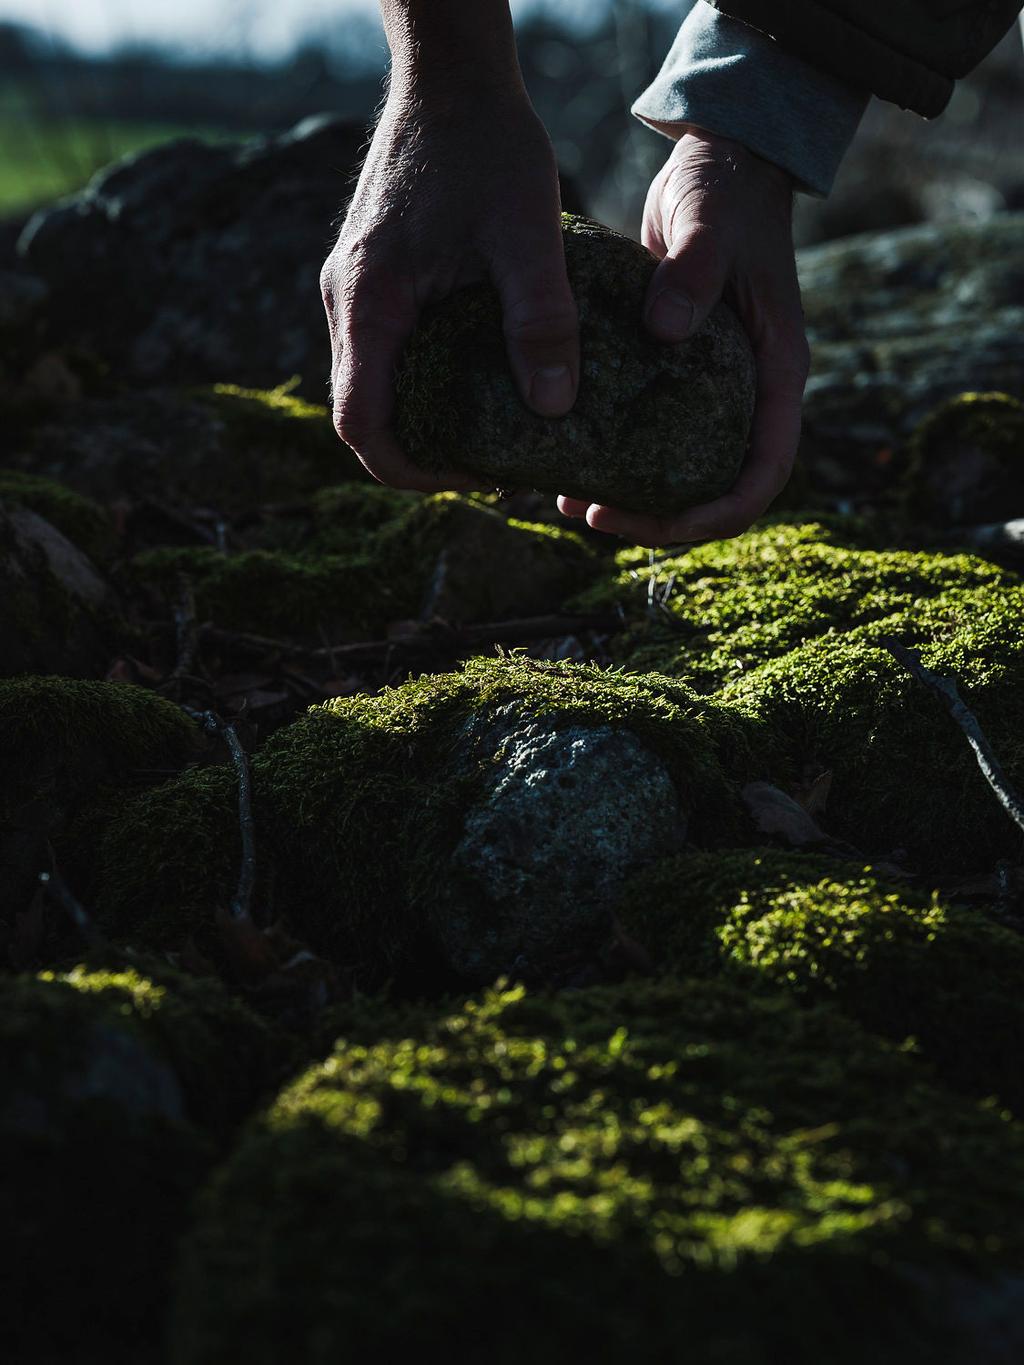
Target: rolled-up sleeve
x=730, y=79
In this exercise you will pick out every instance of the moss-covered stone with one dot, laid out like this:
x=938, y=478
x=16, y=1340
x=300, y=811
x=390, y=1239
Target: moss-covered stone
x=79, y=519
x=904, y=776
x=117, y=1090
x=223, y=448
x=610, y=1172
x=361, y=805
x=61, y=741
x=900, y=961
x=967, y=461
x=655, y=427
x=738, y=603
x=78, y=733
x=443, y=556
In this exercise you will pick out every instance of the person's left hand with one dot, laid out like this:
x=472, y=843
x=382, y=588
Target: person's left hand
x=719, y=218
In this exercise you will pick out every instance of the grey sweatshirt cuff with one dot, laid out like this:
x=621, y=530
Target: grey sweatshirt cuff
x=732, y=80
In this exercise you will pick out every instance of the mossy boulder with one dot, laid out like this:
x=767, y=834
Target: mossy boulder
x=80, y=520
x=56, y=611
x=611, y=1172
x=444, y=556
x=899, y=322
x=444, y=825
x=117, y=1092
x=898, y=959
x=967, y=462
x=904, y=778
x=62, y=742
x=655, y=427
x=223, y=448
x=732, y=605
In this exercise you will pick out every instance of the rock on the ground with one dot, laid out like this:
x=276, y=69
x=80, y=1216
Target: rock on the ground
x=566, y=811
x=655, y=427
x=53, y=602
x=220, y=447
x=459, y=826
x=604, y=1174
x=201, y=262
x=116, y=1085
x=899, y=322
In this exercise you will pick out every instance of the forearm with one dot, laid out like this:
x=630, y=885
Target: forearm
x=437, y=42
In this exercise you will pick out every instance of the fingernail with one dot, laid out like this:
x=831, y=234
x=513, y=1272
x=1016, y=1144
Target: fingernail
x=551, y=390
x=671, y=313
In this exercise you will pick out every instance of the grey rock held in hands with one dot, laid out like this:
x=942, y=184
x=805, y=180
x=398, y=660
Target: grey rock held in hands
x=655, y=428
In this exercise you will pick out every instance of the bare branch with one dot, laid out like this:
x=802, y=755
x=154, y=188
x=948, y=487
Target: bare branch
x=946, y=690
x=56, y=887
x=241, y=905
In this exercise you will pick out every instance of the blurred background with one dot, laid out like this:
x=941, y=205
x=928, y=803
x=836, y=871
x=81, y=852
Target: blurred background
x=85, y=81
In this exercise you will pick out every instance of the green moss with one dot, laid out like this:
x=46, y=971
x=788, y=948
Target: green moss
x=443, y=555
x=167, y=859
x=272, y=591
x=904, y=777
x=899, y=961
x=76, y=734
x=358, y=805
x=966, y=461
x=639, y=1166
x=275, y=422
x=344, y=515
x=735, y=604
x=112, y=1083
x=80, y=519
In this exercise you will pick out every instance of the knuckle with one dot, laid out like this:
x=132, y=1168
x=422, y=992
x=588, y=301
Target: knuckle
x=525, y=322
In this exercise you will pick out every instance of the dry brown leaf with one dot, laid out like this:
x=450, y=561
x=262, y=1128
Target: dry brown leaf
x=774, y=812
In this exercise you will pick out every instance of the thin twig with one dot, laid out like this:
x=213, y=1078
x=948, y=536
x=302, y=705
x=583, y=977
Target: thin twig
x=186, y=628
x=56, y=887
x=429, y=640
x=241, y=905
x=946, y=689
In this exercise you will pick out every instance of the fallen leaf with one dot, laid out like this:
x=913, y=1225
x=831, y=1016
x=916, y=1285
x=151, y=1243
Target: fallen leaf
x=773, y=812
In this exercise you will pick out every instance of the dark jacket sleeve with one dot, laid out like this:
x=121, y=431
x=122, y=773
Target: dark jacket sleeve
x=908, y=51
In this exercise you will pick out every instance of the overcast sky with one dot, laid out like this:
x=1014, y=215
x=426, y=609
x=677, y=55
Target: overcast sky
x=265, y=26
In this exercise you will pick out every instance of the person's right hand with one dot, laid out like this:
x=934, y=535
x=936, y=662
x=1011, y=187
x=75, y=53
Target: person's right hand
x=457, y=186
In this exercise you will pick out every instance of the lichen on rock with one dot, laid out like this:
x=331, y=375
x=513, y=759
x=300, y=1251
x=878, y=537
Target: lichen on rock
x=637, y=1165
x=655, y=427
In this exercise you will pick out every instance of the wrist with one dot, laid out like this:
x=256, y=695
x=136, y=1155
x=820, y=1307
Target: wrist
x=441, y=48
x=732, y=154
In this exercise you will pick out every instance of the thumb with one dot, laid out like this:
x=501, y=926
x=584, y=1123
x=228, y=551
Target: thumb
x=542, y=334
x=686, y=285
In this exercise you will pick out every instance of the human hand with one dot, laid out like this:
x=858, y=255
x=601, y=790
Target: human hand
x=458, y=185
x=719, y=219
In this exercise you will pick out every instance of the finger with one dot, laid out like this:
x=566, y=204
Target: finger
x=775, y=435
x=572, y=507
x=370, y=335
x=541, y=327
x=686, y=285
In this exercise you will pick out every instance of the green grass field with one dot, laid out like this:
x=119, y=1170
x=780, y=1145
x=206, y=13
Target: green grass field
x=46, y=155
